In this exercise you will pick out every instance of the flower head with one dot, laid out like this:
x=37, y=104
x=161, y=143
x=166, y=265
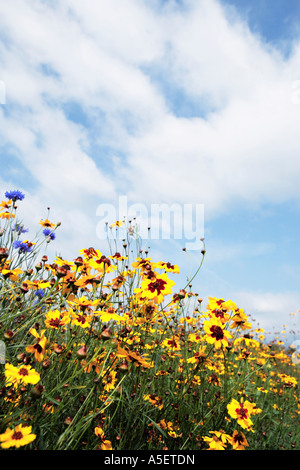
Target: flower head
x=239, y=441
x=39, y=347
x=17, y=437
x=49, y=233
x=105, y=443
x=19, y=229
x=20, y=375
x=15, y=195
x=218, y=441
x=156, y=287
x=215, y=332
x=242, y=411
x=46, y=223
x=23, y=247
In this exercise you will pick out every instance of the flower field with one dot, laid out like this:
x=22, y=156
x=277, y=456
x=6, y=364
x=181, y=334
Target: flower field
x=101, y=353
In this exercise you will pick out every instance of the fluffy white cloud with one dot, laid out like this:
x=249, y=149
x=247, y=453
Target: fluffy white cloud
x=275, y=312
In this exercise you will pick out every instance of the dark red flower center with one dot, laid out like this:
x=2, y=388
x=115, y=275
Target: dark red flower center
x=17, y=435
x=157, y=285
x=217, y=332
x=242, y=412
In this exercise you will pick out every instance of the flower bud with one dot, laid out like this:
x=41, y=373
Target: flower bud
x=81, y=353
x=8, y=334
x=37, y=391
x=46, y=364
x=106, y=334
x=123, y=366
x=59, y=349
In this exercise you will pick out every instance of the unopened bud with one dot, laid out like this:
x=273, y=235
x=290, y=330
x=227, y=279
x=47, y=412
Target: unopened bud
x=106, y=334
x=124, y=366
x=37, y=391
x=8, y=334
x=81, y=353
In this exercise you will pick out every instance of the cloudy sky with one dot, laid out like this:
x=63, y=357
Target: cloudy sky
x=192, y=102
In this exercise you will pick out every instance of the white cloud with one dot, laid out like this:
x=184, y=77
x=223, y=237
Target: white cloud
x=272, y=311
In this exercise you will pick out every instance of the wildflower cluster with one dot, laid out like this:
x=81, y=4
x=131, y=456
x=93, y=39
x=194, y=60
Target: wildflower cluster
x=103, y=353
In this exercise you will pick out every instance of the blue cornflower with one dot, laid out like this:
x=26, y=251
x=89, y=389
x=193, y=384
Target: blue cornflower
x=20, y=229
x=40, y=293
x=48, y=232
x=23, y=247
x=14, y=195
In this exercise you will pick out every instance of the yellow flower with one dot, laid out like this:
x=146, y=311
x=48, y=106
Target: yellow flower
x=171, y=343
x=12, y=274
x=55, y=319
x=154, y=399
x=83, y=302
x=105, y=443
x=109, y=381
x=19, y=436
x=81, y=319
x=46, y=223
x=156, y=287
x=288, y=380
x=218, y=441
x=102, y=264
x=168, y=267
x=239, y=320
x=215, y=332
x=239, y=441
x=6, y=215
x=38, y=349
x=118, y=223
x=20, y=375
x=241, y=411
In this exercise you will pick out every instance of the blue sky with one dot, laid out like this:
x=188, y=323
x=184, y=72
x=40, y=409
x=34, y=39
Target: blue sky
x=175, y=102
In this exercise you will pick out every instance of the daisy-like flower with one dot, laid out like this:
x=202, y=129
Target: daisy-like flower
x=155, y=400
x=215, y=332
x=12, y=274
x=89, y=253
x=106, y=316
x=156, y=287
x=5, y=204
x=105, y=444
x=102, y=264
x=82, y=303
x=20, y=375
x=15, y=195
x=198, y=357
x=132, y=356
x=240, y=320
x=109, y=380
x=169, y=427
x=144, y=264
x=171, y=343
x=242, y=411
x=17, y=437
x=168, y=267
x=39, y=347
x=46, y=223
x=6, y=215
x=118, y=223
x=81, y=319
x=56, y=318
x=239, y=441
x=218, y=441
